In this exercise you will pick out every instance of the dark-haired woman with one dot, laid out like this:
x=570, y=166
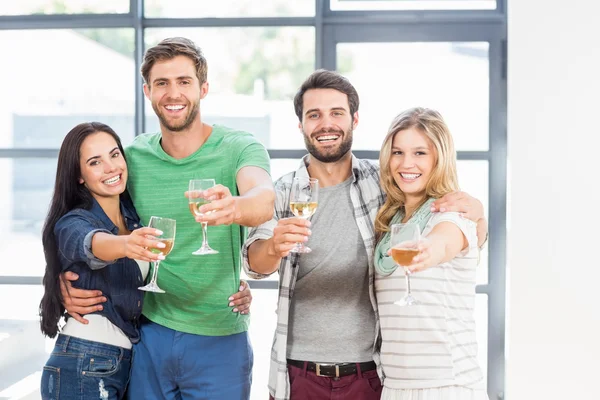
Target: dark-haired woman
x=93, y=230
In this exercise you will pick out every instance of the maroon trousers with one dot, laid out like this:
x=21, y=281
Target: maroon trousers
x=307, y=385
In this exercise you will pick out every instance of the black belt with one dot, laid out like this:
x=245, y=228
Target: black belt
x=334, y=370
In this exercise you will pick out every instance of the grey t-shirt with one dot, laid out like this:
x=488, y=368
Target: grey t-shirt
x=331, y=316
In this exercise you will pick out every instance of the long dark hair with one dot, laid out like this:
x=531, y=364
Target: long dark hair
x=68, y=195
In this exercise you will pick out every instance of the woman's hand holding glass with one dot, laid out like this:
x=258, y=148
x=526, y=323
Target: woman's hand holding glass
x=138, y=243
x=167, y=237
x=404, y=247
x=423, y=260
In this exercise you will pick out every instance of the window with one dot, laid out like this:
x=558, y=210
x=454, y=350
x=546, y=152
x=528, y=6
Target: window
x=229, y=8
x=64, y=77
x=451, y=78
x=26, y=185
x=24, y=350
x=420, y=5
x=26, y=7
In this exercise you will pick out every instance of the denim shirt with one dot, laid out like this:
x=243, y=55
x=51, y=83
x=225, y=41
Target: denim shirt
x=118, y=280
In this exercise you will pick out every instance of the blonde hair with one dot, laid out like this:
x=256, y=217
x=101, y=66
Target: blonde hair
x=443, y=179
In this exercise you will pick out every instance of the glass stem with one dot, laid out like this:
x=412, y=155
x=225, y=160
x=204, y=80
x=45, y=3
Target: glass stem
x=407, y=276
x=155, y=271
x=204, y=234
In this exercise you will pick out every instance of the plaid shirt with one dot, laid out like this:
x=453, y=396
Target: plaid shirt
x=367, y=197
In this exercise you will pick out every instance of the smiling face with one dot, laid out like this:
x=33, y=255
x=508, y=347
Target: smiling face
x=103, y=168
x=175, y=92
x=327, y=124
x=412, y=161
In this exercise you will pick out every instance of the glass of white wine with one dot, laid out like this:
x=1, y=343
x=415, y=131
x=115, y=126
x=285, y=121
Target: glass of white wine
x=167, y=226
x=196, y=200
x=405, y=246
x=304, y=199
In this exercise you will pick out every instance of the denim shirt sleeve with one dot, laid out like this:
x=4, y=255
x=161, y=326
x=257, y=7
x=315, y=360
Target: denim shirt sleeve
x=74, y=233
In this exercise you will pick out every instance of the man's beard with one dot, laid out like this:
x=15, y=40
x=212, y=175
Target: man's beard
x=177, y=128
x=328, y=157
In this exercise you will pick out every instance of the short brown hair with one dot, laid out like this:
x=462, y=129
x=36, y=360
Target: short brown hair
x=323, y=79
x=170, y=48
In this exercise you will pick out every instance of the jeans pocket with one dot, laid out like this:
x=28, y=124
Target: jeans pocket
x=50, y=385
x=99, y=365
x=302, y=389
x=375, y=384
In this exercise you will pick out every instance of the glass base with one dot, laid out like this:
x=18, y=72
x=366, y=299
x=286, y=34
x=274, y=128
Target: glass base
x=205, y=250
x=407, y=300
x=152, y=287
x=300, y=249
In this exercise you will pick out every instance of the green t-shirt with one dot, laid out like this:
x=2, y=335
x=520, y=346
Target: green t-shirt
x=197, y=287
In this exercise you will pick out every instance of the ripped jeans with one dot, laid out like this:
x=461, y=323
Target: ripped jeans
x=82, y=369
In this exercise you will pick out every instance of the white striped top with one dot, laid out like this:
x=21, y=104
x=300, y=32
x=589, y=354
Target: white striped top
x=432, y=344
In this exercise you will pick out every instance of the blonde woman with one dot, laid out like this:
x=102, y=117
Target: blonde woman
x=429, y=350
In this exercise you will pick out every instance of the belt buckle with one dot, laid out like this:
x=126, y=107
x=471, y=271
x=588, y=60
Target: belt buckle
x=318, y=370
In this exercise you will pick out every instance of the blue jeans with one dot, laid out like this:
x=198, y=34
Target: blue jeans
x=82, y=369
x=174, y=365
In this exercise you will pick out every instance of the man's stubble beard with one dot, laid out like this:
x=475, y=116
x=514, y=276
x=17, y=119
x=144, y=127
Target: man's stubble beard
x=175, y=128
x=342, y=150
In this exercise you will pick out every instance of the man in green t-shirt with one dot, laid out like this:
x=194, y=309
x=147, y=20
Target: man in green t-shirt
x=192, y=346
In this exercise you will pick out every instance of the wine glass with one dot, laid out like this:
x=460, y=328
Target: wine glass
x=404, y=243
x=196, y=200
x=167, y=226
x=304, y=199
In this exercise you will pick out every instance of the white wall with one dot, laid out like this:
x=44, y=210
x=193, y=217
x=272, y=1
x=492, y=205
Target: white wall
x=553, y=324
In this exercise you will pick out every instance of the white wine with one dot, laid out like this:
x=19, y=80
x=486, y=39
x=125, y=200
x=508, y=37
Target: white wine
x=167, y=249
x=404, y=257
x=196, y=205
x=303, y=209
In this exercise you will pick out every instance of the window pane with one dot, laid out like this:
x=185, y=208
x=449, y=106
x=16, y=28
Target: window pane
x=26, y=185
x=452, y=78
x=473, y=178
x=373, y=5
x=72, y=76
x=262, y=328
x=24, y=349
x=253, y=75
x=64, y=7
x=229, y=8
x=282, y=166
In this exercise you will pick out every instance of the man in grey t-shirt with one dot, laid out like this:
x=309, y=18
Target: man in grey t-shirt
x=327, y=324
